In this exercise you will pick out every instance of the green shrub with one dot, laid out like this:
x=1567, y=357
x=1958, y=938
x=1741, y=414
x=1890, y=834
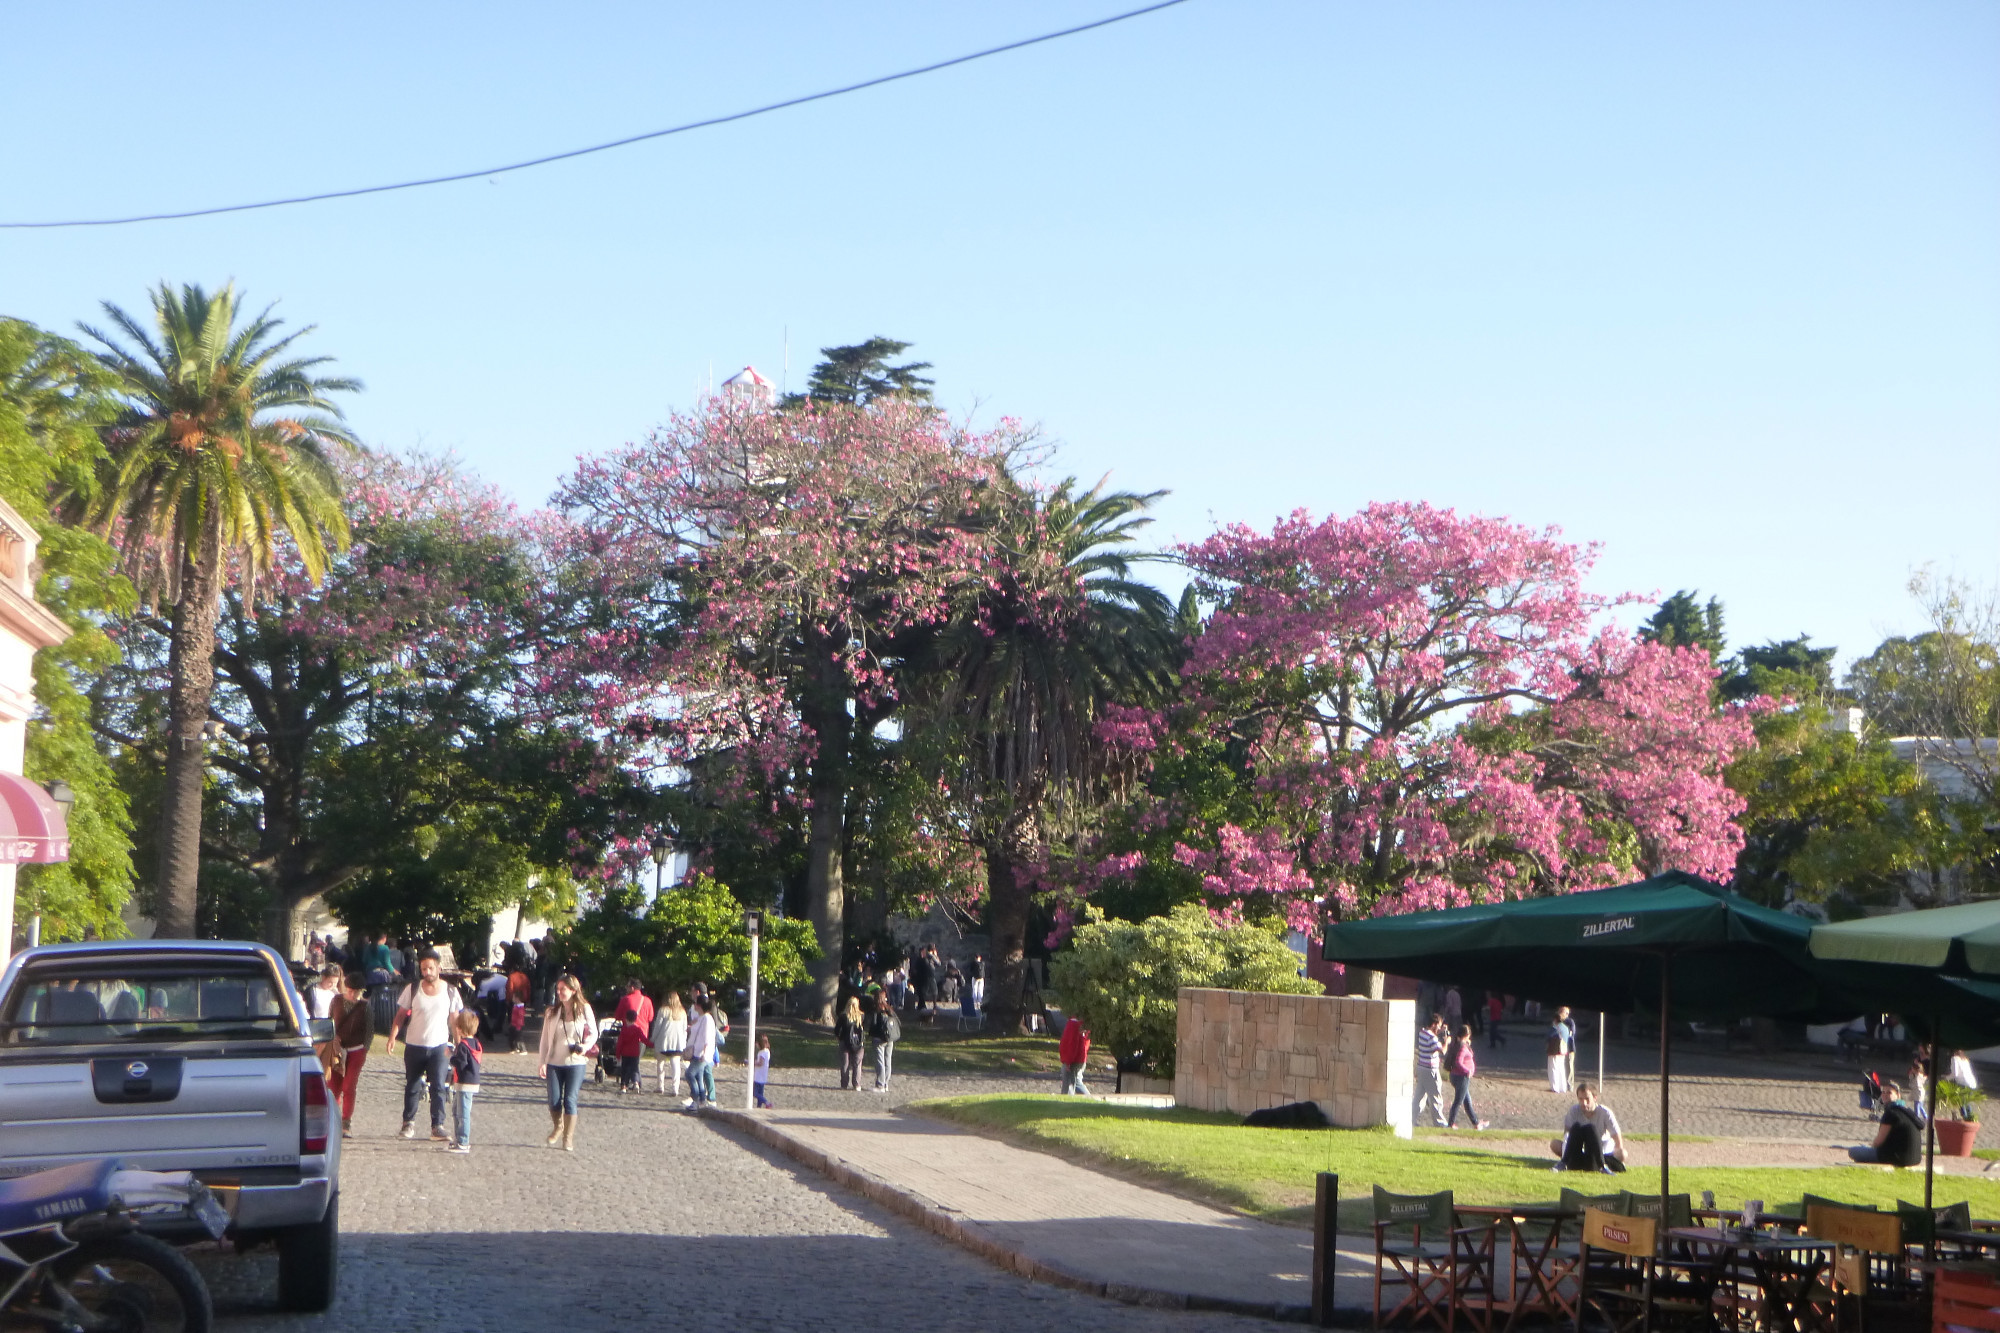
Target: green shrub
x=1123, y=978
x=693, y=932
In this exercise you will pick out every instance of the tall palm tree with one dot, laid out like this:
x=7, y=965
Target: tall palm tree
x=222, y=447
x=1016, y=691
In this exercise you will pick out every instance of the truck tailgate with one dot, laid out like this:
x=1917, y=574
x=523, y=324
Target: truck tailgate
x=161, y=1112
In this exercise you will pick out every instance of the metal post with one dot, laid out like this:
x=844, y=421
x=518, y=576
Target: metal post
x=1666, y=1067
x=34, y=930
x=1930, y=1125
x=1326, y=1202
x=1600, y=1055
x=750, y=1056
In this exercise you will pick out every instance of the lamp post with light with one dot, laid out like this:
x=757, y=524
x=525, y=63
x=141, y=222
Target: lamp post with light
x=662, y=849
x=753, y=926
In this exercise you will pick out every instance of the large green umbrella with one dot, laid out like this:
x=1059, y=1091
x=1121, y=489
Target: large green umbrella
x=1672, y=944
x=1916, y=964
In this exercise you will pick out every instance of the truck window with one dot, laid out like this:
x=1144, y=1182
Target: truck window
x=148, y=1005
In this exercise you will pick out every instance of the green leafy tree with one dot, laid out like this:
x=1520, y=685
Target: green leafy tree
x=692, y=932
x=221, y=448
x=1943, y=687
x=1781, y=669
x=1682, y=622
x=1836, y=818
x=54, y=400
x=860, y=374
x=1018, y=685
x=1124, y=978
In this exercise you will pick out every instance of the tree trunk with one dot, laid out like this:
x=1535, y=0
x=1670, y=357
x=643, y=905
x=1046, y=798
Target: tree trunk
x=1007, y=920
x=1364, y=981
x=191, y=680
x=826, y=898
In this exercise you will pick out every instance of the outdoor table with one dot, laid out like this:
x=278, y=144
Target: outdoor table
x=1968, y=1242
x=1784, y=1271
x=1537, y=1268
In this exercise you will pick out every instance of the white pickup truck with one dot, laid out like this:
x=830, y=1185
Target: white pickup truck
x=179, y=1055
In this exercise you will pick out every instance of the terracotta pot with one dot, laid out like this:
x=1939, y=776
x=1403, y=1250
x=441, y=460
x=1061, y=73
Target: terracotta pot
x=1954, y=1137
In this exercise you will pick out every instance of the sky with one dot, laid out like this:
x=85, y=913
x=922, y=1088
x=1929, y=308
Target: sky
x=1715, y=286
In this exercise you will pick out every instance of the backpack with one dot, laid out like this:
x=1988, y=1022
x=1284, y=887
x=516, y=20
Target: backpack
x=895, y=1027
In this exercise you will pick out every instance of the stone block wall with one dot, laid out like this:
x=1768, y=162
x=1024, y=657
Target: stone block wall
x=1240, y=1051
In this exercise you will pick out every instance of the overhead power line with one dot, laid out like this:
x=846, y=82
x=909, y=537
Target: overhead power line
x=602, y=147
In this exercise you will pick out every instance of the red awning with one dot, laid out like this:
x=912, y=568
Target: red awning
x=32, y=826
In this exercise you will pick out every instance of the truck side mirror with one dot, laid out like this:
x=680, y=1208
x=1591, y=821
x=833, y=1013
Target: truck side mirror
x=319, y=1029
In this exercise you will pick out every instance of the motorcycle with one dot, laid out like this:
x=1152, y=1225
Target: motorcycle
x=74, y=1260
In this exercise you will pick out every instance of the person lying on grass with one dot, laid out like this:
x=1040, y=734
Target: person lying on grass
x=1590, y=1139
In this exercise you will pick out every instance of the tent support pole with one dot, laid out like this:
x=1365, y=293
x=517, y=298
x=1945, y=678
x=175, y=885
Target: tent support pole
x=1930, y=1121
x=1666, y=1067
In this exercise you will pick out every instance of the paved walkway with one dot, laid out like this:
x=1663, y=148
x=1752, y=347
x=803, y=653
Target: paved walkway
x=1061, y=1222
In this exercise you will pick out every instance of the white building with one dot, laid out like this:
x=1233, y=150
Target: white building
x=33, y=828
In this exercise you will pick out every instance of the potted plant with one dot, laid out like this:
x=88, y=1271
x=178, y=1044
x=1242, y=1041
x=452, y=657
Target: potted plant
x=1955, y=1136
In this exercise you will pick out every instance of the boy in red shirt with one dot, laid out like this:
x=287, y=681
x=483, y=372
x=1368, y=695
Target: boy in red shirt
x=1074, y=1052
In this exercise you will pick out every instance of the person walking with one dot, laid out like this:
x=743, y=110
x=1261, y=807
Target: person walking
x=1430, y=1078
x=1074, y=1053
x=1560, y=1048
x=921, y=985
x=320, y=995
x=635, y=1027
x=885, y=1031
x=1496, y=1009
x=975, y=973
x=1459, y=1062
x=423, y=1015
x=519, y=987
x=1454, y=1008
x=354, y=1028
x=851, y=1031
x=465, y=1056
x=569, y=1035
x=669, y=1037
x=1568, y=1020
x=701, y=1056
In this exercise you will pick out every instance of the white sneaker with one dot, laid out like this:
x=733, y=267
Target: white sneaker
x=688, y=1105
x=409, y=1130
x=459, y=1147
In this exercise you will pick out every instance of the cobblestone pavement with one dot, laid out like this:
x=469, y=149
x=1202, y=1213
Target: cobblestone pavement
x=657, y=1219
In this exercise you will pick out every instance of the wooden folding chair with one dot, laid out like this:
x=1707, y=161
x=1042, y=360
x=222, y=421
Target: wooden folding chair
x=1679, y=1209
x=1869, y=1267
x=1615, y=1270
x=1419, y=1249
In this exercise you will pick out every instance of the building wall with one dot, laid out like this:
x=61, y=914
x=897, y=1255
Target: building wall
x=1241, y=1051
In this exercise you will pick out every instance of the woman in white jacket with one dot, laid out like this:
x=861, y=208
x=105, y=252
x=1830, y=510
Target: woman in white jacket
x=669, y=1039
x=700, y=1056
x=569, y=1043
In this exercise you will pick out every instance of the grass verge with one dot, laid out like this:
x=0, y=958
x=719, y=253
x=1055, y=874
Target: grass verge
x=930, y=1047
x=1269, y=1173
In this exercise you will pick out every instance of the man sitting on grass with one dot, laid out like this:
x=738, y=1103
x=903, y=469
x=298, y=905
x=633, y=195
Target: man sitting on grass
x=1590, y=1139
x=1899, y=1138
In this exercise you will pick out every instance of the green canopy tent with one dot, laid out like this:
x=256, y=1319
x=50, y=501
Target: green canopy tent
x=1673, y=945
x=1925, y=966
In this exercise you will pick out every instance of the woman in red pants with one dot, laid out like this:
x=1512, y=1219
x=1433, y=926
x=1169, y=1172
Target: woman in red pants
x=354, y=1029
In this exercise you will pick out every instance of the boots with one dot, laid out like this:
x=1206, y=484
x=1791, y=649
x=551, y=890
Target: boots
x=555, y=1126
x=569, y=1133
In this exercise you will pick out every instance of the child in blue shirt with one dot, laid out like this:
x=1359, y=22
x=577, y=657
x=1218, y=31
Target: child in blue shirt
x=465, y=1054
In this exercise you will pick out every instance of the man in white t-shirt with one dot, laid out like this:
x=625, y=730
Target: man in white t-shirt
x=423, y=1016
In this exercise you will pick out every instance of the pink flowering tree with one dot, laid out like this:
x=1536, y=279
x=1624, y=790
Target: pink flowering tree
x=765, y=578
x=1409, y=708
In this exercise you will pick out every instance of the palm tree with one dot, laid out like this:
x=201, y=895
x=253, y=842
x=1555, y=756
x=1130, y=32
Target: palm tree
x=222, y=448
x=1016, y=691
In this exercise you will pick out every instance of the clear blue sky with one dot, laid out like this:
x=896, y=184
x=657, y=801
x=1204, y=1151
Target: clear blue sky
x=1714, y=284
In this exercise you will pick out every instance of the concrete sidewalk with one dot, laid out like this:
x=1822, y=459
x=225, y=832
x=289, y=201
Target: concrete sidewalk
x=1055, y=1221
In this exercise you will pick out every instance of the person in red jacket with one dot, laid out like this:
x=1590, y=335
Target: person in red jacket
x=635, y=1017
x=1074, y=1052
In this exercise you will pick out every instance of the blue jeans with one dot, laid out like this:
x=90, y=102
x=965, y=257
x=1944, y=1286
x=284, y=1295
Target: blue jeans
x=1461, y=1088
x=461, y=1113
x=1072, y=1080
x=565, y=1082
x=701, y=1081
x=422, y=1063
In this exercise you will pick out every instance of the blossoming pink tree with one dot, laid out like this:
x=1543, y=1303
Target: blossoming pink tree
x=1425, y=709
x=771, y=572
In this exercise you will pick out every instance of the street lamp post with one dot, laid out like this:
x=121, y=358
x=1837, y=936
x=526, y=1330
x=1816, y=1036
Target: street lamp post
x=753, y=926
x=662, y=849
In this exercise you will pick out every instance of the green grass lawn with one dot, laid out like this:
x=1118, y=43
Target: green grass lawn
x=931, y=1047
x=1270, y=1173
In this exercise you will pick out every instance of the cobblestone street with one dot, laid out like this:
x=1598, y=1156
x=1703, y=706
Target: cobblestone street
x=657, y=1220
x=659, y=1217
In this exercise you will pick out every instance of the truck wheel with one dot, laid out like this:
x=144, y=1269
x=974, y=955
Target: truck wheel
x=309, y=1262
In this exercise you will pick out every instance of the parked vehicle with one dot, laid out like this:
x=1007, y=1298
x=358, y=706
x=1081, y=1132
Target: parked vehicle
x=72, y=1255
x=179, y=1055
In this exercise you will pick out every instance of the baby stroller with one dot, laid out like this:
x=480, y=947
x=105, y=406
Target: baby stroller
x=1871, y=1093
x=607, y=1049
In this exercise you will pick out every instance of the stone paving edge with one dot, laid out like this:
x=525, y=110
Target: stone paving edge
x=943, y=1222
